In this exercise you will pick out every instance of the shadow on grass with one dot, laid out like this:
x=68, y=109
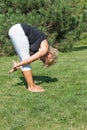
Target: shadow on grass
x=38, y=80
x=79, y=48
x=46, y=79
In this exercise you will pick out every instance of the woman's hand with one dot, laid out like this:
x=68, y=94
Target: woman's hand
x=14, y=65
x=14, y=68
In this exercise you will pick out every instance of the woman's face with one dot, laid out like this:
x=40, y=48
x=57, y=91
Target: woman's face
x=43, y=59
x=46, y=59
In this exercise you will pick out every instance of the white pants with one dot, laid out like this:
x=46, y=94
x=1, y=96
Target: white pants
x=20, y=43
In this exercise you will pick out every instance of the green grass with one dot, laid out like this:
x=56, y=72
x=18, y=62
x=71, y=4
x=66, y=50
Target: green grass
x=62, y=107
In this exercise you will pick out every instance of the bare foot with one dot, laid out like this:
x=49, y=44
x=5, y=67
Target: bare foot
x=36, y=89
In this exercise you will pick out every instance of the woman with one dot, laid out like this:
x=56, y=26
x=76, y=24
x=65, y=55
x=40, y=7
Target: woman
x=30, y=45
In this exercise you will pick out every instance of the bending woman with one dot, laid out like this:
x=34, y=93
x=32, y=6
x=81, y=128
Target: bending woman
x=30, y=45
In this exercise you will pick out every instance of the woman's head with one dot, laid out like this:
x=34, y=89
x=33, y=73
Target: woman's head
x=51, y=57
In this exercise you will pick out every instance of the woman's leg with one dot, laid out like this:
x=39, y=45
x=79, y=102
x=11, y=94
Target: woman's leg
x=30, y=84
x=21, y=45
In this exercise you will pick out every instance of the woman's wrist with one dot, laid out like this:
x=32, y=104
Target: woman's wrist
x=17, y=65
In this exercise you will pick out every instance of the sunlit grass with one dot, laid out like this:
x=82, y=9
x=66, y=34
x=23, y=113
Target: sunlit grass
x=62, y=107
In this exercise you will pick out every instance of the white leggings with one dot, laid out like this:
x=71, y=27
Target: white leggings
x=20, y=43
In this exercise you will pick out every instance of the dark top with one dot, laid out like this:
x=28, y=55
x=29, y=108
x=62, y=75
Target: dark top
x=35, y=37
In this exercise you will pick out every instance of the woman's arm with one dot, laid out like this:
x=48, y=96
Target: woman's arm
x=41, y=52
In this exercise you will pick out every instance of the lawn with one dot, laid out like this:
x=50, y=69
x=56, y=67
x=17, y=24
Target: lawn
x=63, y=106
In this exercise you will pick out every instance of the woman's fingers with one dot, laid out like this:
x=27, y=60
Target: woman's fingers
x=12, y=70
